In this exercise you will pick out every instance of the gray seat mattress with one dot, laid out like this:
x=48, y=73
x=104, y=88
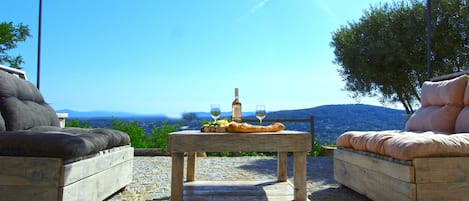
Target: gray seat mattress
x=55, y=142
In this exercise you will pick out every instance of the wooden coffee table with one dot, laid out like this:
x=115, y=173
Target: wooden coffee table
x=192, y=141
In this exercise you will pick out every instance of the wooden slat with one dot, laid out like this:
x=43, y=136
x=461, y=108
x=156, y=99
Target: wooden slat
x=282, y=141
x=99, y=186
x=96, y=187
x=238, y=190
x=34, y=178
x=443, y=191
x=372, y=183
x=240, y=198
x=22, y=193
x=402, y=172
x=76, y=171
x=440, y=178
x=442, y=170
x=23, y=171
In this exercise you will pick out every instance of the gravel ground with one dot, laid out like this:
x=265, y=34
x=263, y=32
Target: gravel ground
x=152, y=175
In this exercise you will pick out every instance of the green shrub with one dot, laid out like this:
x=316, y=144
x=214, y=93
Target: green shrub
x=157, y=137
x=140, y=139
x=77, y=123
x=136, y=134
x=219, y=154
x=317, y=149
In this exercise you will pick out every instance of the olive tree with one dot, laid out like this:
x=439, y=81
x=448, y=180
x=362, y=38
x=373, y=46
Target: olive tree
x=384, y=54
x=10, y=35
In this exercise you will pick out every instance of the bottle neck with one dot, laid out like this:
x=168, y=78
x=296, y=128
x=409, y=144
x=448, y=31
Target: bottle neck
x=236, y=93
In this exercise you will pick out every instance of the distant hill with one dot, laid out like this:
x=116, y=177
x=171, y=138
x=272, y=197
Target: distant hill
x=354, y=116
x=103, y=114
x=332, y=120
x=329, y=120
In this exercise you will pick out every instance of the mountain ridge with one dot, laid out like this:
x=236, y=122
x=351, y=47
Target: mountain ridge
x=103, y=114
x=300, y=113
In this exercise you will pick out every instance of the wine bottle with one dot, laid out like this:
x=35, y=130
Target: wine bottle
x=236, y=108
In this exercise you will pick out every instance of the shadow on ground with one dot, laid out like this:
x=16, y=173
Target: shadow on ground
x=340, y=193
x=320, y=178
x=160, y=199
x=318, y=168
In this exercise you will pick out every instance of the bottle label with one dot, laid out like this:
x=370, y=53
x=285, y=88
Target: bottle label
x=236, y=116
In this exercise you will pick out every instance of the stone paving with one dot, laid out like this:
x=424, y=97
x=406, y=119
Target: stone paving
x=151, y=180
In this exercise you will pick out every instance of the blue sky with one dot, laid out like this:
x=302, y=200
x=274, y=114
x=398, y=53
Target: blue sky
x=169, y=57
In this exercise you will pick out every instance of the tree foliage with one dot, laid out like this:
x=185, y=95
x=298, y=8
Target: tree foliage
x=10, y=35
x=189, y=116
x=140, y=139
x=77, y=123
x=384, y=54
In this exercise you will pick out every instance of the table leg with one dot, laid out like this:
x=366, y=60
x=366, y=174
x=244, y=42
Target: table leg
x=191, y=159
x=299, y=171
x=282, y=162
x=177, y=176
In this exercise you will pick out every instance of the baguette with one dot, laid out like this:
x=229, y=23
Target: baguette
x=249, y=128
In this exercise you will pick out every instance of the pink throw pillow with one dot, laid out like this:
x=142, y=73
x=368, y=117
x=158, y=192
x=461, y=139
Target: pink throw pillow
x=462, y=122
x=434, y=118
x=444, y=92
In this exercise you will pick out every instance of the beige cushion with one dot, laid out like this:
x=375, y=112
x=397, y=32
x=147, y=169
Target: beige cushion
x=434, y=118
x=371, y=141
x=444, y=92
x=462, y=122
x=344, y=139
x=359, y=141
x=428, y=144
x=376, y=141
x=466, y=95
x=405, y=145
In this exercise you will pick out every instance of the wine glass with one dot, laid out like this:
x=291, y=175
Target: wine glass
x=260, y=113
x=215, y=111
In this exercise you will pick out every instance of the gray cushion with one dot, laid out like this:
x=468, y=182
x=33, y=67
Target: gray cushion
x=30, y=127
x=67, y=143
x=2, y=124
x=22, y=105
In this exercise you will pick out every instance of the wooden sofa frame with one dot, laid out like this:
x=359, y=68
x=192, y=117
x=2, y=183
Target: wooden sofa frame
x=95, y=177
x=383, y=178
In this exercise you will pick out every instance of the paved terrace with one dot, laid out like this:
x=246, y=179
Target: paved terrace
x=151, y=180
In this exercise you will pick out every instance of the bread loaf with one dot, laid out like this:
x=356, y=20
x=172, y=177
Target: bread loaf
x=249, y=128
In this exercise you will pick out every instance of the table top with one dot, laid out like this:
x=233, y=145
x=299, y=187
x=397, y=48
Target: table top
x=196, y=141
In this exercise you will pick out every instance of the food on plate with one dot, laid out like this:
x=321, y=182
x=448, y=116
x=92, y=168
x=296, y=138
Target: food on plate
x=218, y=126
